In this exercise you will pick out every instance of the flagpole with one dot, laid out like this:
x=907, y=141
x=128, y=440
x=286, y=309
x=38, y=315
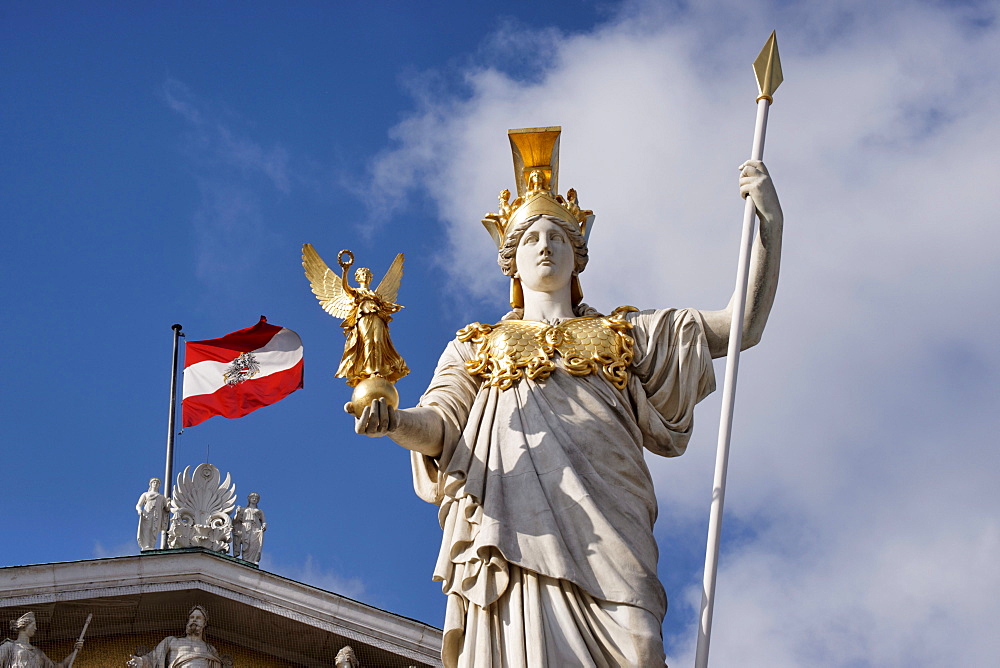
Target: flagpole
x=171, y=422
x=768, y=70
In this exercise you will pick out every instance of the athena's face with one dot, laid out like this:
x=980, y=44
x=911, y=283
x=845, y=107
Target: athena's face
x=545, y=258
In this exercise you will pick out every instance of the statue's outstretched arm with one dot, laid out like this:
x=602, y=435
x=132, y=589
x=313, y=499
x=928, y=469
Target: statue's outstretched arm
x=765, y=259
x=420, y=429
x=68, y=661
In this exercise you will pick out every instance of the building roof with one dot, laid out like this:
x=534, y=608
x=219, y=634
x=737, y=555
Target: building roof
x=149, y=594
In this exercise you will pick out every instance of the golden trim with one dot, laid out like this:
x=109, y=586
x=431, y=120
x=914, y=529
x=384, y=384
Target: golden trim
x=536, y=172
x=515, y=349
x=516, y=293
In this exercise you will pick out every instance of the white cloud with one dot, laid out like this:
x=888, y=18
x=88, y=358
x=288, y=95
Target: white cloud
x=865, y=444
x=119, y=550
x=314, y=574
x=231, y=236
x=218, y=143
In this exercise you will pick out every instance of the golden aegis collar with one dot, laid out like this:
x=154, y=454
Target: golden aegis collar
x=513, y=349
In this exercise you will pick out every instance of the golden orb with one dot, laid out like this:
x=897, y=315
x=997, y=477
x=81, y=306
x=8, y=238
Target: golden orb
x=370, y=389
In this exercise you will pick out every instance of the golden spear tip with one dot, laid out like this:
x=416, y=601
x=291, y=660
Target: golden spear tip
x=767, y=67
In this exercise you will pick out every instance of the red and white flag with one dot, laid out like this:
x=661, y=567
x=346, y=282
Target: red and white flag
x=240, y=372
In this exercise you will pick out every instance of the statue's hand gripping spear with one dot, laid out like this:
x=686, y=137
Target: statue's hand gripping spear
x=79, y=641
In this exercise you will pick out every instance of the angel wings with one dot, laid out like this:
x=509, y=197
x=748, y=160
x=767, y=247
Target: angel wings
x=368, y=350
x=333, y=292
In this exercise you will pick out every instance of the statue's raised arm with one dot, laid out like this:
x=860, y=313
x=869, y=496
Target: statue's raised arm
x=765, y=259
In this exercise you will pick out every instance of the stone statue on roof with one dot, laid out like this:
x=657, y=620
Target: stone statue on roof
x=154, y=515
x=249, y=525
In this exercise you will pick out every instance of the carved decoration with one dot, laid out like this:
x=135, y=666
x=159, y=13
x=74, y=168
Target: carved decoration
x=201, y=507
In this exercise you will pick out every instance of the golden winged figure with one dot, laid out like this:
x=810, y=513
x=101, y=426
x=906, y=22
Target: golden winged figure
x=368, y=351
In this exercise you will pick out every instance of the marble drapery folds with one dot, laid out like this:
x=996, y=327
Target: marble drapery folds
x=547, y=506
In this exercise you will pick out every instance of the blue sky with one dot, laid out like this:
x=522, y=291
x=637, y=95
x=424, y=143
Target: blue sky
x=165, y=164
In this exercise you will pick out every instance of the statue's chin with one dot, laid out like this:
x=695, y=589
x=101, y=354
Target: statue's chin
x=368, y=391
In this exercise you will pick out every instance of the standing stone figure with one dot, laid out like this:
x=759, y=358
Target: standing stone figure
x=154, y=513
x=346, y=658
x=249, y=526
x=21, y=653
x=189, y=651
x=531, y=435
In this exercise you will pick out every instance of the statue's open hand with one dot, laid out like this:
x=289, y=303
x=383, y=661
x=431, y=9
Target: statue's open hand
x=377, y=419
x=756, y=183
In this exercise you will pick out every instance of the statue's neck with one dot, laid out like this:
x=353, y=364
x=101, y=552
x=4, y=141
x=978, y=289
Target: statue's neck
x=547, y=306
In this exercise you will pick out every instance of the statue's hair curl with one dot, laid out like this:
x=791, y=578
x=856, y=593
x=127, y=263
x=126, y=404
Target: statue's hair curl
x=22, y=621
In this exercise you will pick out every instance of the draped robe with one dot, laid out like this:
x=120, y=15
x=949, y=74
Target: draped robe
x=15, y=654
x=181, y=652
x=547, y=506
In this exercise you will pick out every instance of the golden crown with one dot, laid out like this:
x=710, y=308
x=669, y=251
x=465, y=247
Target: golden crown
x=536, y=171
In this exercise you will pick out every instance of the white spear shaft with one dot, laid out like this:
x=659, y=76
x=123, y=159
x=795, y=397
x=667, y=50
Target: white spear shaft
x=768, y=78
x=86, y=624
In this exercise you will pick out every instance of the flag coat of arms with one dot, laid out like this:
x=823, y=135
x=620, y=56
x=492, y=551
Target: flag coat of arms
x=240, y=372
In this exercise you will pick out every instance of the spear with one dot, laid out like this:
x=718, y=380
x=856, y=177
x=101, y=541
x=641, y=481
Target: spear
x=72, y=657
x=767, y=67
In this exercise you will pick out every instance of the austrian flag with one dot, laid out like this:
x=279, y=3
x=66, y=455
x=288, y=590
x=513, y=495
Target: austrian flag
x=240, y=372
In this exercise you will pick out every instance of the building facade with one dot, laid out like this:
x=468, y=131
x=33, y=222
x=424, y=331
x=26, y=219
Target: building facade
x=255, y=619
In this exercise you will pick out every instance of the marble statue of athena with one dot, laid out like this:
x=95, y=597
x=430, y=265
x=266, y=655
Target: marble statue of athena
x=530, y=437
